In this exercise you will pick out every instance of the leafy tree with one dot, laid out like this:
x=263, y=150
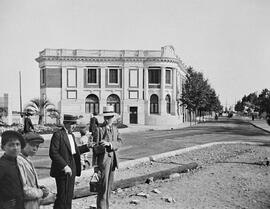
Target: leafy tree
x=39, y=106
x=239, y=107
x=264, y=101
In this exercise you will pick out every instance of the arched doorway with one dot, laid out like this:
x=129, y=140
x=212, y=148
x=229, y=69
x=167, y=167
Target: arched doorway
x=168, y=104
x=114, y=100
x=154, y=104
x=92, y=104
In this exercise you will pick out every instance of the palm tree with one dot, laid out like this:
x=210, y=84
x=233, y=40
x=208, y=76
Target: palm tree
x=39, y=106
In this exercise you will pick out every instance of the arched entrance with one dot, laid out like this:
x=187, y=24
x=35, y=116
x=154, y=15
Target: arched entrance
x=154, y=104
x=168, y=104
x=92, y=104
x=114, y=100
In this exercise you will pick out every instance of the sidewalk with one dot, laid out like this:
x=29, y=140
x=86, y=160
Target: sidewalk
x=258, y=123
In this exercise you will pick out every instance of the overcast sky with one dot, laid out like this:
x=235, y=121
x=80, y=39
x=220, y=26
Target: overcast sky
x=228, y=40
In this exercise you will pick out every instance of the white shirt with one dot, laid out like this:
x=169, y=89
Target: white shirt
x=71, y=142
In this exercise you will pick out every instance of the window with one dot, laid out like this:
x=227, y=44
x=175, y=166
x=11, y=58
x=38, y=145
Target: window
x=72, y=94
x=154, y=104
x=92, y=104
x=43, y=76
x=168, y=76
x=92, y=75
x=71, y=77
x=113, y=76
x=133, y=78
x=114, y=100
x=168, y=104
x=154, y=76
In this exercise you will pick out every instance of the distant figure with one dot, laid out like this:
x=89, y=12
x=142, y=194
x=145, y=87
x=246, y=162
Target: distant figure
x=268, y=119
x=93, y=124
x=252, y=117
x=216, y=116
x=84, y=139
x=28, y=126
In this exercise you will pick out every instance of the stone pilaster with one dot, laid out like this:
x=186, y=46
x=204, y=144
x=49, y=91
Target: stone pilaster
x=146, y=96
x=162, y=92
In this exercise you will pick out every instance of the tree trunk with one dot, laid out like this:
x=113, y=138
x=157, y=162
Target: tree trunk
x=40, y=120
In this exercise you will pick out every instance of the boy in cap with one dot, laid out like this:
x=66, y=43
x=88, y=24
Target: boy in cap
x=11, y=187
x=32, y=191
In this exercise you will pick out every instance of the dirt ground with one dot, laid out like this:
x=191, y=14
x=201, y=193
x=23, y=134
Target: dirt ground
x=228, y=177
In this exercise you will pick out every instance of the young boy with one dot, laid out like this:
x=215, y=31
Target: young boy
x=11, y=187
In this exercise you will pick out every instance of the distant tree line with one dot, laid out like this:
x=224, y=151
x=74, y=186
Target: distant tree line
x=198, y=96
x=254, y=103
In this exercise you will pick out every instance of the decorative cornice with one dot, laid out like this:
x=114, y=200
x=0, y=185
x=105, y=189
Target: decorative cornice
x=107, y=59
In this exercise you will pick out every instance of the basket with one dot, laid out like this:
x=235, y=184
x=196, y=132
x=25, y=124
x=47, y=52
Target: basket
x=94, y=183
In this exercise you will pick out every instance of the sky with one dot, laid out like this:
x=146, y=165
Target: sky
x=227, y=40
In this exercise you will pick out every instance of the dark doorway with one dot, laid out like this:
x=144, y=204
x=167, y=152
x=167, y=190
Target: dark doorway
x=133, y=115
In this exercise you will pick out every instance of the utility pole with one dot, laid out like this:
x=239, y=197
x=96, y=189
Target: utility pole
x=20, y=83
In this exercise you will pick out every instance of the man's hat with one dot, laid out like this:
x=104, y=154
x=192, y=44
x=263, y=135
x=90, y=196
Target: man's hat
x=33, y=137
x=70, y=119
x=7, y=135
x=108, y=111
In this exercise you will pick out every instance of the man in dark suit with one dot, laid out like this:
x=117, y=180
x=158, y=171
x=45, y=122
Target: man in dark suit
x=93, y=125
x=66, y=163
x=105, y=157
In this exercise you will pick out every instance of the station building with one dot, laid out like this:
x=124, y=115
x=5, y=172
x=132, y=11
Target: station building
x=142, y=85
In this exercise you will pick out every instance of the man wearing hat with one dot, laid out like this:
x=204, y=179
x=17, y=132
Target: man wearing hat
x=66, y=163
x=32, y=191
x=105, y=157
x=11, y=186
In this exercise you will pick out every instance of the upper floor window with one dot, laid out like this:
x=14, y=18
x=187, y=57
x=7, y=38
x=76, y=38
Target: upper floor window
x=154, y=76
x=43, y=76
x=71, y=77
x=113, y=76
x=92, y=75
x=168, y=77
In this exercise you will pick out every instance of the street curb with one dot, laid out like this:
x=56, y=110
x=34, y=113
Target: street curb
x=258, y=127
x=133, y=163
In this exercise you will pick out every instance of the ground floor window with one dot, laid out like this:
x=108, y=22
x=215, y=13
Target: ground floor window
x=114, y=100
x=168, y=104
x=154, y=104
x=92, y=104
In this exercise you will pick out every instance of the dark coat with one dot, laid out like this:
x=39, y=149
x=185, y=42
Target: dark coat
x=27, y=125
x=61, y=156
x=11, y=187
x=93, y=124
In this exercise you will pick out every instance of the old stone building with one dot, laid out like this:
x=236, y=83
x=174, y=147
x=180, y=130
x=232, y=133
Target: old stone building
x=142, y=85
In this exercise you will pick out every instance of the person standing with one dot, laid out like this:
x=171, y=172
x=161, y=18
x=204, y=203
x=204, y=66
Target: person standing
x=28, y=126
x=32, y=191
x=93, y=124
x=11, y=186
x=105, y=157
x=66, y=163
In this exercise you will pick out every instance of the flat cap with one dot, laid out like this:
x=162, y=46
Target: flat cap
x=33, y=137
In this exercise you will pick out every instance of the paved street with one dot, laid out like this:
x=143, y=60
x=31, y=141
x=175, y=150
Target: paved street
x=140, y=144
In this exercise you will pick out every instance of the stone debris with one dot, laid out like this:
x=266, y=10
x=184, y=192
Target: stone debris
x=156, y=191
x=174, y=175
x=149, y=180
x=142, y=194
x=135, y=202
x=119, y=190
x=169, y=199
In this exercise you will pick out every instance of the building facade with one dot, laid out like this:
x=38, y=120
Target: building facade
x=142, y=85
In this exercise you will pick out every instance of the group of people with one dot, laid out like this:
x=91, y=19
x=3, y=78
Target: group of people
x=19, y=188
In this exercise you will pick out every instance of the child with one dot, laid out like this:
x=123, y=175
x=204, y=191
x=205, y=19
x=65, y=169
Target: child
x=11, y=187
x=85, y=139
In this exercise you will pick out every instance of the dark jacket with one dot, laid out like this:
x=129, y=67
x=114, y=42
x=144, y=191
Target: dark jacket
x=60, y=153
x=27, y=125
x=11, y=188
x=93, y=124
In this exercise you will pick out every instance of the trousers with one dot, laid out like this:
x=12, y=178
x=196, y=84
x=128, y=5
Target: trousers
x=65, y=189
x=106, y=183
